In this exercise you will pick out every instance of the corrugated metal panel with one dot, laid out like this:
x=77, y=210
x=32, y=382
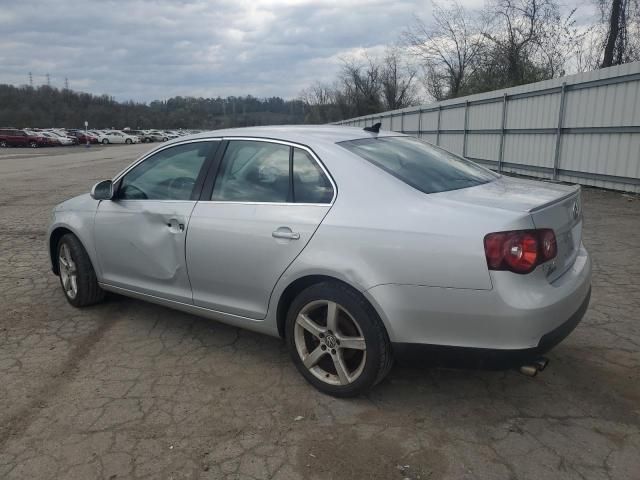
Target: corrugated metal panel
x=485, y=145
x=593, y=140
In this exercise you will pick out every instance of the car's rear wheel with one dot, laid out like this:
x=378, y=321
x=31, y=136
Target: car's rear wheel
x=105, y=141
x=77, y=276
x=3, y=144
x=33, y=144
x=336, y=340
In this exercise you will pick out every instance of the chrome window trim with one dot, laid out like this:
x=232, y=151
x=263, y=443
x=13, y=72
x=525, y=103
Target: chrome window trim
x=289, y=144
x=122, y=173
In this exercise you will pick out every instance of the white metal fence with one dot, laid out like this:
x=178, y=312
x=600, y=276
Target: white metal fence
x=581, y=128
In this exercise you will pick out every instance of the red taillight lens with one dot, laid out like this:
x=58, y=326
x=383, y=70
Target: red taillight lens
x=519, y=251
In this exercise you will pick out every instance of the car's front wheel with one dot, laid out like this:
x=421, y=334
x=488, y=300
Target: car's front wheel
x=77, y=276
x=336, y=340
x=128, y=141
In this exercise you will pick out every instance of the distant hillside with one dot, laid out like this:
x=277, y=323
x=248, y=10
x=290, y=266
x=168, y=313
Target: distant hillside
x=44, y=106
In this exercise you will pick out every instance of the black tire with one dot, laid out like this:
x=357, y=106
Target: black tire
x=105, y=141
x=128, y=141
x=379, y=358
x=88, y=290
x=3, y=144
x=164, y=139
x=33, y=144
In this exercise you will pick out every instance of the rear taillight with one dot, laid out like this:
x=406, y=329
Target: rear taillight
x=519, y=251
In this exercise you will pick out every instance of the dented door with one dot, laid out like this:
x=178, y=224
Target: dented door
x=140, y=246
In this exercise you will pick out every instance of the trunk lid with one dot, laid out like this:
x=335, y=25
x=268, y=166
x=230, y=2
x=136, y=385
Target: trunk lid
x=550, y=205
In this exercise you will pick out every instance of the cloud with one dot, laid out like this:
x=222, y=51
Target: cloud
x=155, y=49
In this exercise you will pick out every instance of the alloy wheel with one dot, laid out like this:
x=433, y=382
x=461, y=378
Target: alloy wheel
x=330, y=342
x=68, y=272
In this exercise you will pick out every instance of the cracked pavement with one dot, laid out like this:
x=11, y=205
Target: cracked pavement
x=127, y=389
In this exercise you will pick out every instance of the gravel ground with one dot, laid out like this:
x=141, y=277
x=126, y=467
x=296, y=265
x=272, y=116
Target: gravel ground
x=132, y=390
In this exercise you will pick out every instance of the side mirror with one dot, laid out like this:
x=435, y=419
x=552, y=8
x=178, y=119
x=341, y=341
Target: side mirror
x=102, y=190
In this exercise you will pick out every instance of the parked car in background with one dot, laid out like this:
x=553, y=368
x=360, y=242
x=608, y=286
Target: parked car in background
x=115, y=136
x=83, y=136
x=64, y=139
x=143, y=135
x=50, y=140
x=13, y=137
x=158, y=136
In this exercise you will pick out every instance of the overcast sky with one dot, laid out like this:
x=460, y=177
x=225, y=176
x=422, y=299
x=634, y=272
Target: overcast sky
x=155, y=49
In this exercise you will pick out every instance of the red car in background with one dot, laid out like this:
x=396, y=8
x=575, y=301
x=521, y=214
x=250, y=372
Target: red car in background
x=82, y=136
x=13, y=137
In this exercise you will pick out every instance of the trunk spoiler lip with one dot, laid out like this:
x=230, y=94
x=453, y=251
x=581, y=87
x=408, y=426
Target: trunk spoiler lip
x=537, y=208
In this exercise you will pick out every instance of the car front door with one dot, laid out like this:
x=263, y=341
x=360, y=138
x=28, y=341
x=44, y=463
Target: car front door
x=253, y=220
x=140, y=234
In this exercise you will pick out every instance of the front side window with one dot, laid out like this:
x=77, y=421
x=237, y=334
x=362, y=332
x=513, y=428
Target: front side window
x=170, y=174
x=253, y=171
x=419, y=164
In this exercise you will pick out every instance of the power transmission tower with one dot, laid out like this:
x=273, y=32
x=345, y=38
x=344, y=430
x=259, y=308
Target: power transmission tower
x=30, y=79
x=66, y=83
x=48, y=80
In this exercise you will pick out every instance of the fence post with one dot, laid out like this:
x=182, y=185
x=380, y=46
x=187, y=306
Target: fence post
x=502, y=131
x=556, y=158
x=438, y=127
x=419, y=122
x=402, y=122
x=466, y=126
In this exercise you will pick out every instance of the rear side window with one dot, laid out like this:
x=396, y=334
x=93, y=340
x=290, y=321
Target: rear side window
x=266, y=172
x=253, y=172
x=419, y=164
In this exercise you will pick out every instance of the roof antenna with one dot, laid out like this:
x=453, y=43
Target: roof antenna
x=375, y=128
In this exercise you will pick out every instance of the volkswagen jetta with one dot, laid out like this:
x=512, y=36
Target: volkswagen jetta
x=352, y=245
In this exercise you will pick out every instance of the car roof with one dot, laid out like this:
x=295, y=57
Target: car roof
x=302, y=134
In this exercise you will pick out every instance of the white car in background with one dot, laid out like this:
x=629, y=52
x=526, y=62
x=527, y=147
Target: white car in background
x=62, y=138
x=115, y=136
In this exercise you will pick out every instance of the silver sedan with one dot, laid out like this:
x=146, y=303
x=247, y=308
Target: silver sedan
x=355, y=246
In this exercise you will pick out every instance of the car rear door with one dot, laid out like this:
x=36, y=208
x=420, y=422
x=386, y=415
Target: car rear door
x=254, y=218
x=140, y=234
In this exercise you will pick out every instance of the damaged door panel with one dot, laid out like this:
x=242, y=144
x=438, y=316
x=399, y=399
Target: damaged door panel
x=150, y=257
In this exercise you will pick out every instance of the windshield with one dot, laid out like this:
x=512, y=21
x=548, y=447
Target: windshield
x=419, y=164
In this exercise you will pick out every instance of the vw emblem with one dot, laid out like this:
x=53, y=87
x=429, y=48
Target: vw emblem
x=575, y=210
x=330, y=340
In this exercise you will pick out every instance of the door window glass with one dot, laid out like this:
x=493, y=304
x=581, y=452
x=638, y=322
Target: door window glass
x=170, y=174
x=253, y=171
x=310, y=184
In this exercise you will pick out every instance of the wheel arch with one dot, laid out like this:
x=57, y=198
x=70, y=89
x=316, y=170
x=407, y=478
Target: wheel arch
x=54, y=239
x=298, y=285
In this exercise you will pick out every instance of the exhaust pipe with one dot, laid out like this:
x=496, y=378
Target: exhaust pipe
x=532, y=369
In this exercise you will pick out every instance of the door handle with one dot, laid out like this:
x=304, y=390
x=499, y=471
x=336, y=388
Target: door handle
x=175, y=226
x=286, y=233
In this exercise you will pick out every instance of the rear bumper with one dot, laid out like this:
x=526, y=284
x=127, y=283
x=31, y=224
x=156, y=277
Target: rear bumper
x=468, y=357
x=519, y=313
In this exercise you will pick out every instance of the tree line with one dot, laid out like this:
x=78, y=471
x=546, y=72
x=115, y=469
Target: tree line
x=45, y=106
x=461, y=51
x=457, y=52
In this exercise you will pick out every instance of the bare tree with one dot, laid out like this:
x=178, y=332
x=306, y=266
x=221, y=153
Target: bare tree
x=528, y=40
x=622, y=40
x=362, y=85
x=398, y=81
x=449, y=48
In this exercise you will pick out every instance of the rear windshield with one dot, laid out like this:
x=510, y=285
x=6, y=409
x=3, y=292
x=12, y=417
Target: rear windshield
x=420, y=164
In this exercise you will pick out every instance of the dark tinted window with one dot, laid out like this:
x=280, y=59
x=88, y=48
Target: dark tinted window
x=419, y=164
x=310, y=184
x=170, y=174
x=253, y=171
